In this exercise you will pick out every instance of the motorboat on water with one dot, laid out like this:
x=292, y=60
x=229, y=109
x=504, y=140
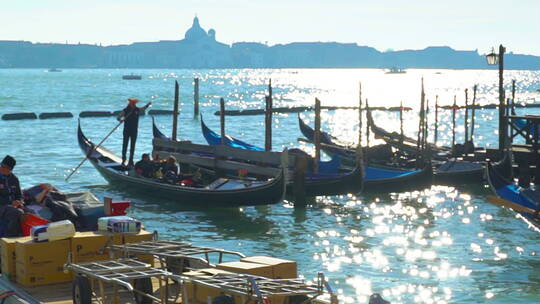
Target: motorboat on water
x=395, y=70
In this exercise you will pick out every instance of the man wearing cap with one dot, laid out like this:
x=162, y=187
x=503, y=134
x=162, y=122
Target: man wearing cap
x=10, y=198
x=130, y=116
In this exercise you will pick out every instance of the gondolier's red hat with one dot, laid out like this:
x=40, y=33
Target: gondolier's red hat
x=133, y=100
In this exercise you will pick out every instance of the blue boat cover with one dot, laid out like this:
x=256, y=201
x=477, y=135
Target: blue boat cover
x=514, y=194
x=372, y=173
x=214, y=139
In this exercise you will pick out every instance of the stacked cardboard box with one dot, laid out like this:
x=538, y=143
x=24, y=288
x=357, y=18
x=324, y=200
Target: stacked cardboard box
x=193, y=292
x=42, y=263
x=281, y=269
x=33, y=264
x=142, y=236
x=247, y=268
x=7, y=255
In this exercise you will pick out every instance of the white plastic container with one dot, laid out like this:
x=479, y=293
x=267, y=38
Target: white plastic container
x=53, y=231
x=119, y=224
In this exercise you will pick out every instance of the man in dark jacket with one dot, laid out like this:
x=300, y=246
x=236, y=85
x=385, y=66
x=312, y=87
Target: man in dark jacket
x=145, y=167
x=130, y=116
x=10, y=198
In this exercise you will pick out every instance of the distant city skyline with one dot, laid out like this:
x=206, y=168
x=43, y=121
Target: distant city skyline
x=385, y=24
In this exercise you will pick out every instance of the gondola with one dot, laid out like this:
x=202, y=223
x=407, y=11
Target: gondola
x=402, y=142
x=221, y=192
x=447, y=170
x=377, y=178
x=319, y=184
x=524, y=201
x=214, y=139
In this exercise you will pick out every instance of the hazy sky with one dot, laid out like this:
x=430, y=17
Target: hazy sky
x=383, y=24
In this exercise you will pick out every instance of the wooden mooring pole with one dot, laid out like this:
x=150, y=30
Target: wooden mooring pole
x=317, y=135
x=222, y=119
x=175, y=110
x=299, y=179
x=196, y=98
x=466, y=122
x=360, y=114
x=366, y=156
x=359, y=154
x=401, y=121
x=454, y=108
x=426, y=112
x=435, y=136
x=420, y=120
x=513, y=96
x=473, y=114
x=268, y=119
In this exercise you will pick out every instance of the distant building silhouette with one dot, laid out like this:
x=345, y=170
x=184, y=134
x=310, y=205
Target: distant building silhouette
x=200, y=49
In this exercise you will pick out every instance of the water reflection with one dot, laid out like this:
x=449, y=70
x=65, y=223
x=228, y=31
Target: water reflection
x=441, y=245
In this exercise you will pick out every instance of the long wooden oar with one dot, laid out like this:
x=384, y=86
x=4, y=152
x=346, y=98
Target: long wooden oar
x=101, y=142
x=516, y=207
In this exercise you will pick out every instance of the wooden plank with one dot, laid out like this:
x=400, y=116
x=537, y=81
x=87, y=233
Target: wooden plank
x=264, y=157
x=211, y=162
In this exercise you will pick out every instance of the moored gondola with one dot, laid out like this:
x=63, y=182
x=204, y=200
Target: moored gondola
x=448, y=170
x=402, y=142
x=377, y=178
x=331, y=182
x=524, y=201
x=222, y=192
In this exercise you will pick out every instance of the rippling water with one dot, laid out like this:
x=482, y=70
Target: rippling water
x=441, y=245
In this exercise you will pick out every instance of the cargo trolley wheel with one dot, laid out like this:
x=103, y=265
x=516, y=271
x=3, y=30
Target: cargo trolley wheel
x=143, y=285
x=81, y=291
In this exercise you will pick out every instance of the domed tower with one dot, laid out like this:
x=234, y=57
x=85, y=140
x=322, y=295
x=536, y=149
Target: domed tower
x=212, y=34
x=195, y=32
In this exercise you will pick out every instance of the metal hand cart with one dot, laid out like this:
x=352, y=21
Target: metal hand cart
x=244, y=289
x=107, y=281
x=176, y=257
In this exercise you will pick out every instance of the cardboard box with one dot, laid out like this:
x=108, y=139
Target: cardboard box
x=42, y=263
x=197, y=293
x=116, y=238
x=89, y=247
x=7, y=256
x=248, y=268
x=281, y=269
x=142, y=236
x=193, y=292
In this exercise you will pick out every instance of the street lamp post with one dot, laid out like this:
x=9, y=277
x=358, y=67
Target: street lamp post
x=493, y=59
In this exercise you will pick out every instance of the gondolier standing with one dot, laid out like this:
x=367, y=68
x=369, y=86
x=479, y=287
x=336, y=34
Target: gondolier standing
x=130, y=116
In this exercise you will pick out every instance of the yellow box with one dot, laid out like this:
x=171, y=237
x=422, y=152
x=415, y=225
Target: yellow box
x=281, y=269
x=142, y=236
x=7, y=255
x=248, y=268
x=42, y=263
x=197, y=293
x=117, y=238
x=89, y=247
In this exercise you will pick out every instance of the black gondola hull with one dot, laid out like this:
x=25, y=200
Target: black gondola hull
x=105, y=162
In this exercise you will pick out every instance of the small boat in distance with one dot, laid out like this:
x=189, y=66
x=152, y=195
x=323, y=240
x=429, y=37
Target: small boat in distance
x=54, y=70
x=395, y=70
x=132, y=77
